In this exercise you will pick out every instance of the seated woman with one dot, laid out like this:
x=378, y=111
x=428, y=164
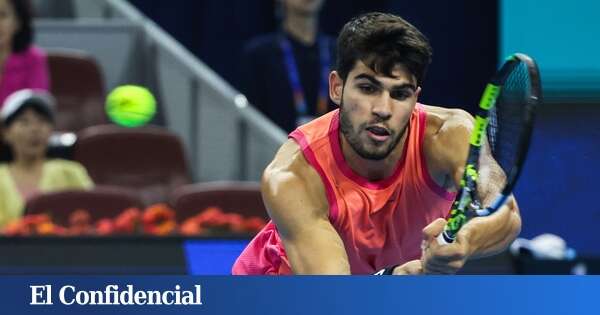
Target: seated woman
x=26, y=122
x=22, y=65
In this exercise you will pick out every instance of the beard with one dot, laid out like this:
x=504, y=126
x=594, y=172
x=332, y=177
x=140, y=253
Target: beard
x=366, y=148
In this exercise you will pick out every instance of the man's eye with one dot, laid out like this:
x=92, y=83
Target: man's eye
x=401, y=95
x=366, y=88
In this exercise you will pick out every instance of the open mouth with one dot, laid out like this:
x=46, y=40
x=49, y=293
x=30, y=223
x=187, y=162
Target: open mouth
x=378, y=133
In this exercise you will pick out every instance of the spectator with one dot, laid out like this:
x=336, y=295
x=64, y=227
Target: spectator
x=27, y=120
x=22, y=65
x=285, y=74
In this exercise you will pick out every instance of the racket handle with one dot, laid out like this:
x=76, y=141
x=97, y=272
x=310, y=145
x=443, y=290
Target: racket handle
x=442, y=239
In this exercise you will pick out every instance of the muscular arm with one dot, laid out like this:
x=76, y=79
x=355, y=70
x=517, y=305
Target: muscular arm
x=447, y=146
x=484, y=235
x=295, y=199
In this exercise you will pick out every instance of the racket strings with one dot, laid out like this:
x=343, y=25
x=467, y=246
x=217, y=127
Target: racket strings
x=506, y=118
x=492, y=180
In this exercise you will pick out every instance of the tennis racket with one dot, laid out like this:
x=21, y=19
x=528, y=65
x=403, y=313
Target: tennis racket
x=504, y=121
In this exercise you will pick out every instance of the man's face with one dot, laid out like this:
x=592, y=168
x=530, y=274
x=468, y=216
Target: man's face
x=303, y=7
x=375, y=109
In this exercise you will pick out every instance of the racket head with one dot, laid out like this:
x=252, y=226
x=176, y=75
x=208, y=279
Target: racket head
x=504, y=123
x=511, y=119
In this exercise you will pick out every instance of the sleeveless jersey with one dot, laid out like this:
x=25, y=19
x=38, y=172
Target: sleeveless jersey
x=380, y=222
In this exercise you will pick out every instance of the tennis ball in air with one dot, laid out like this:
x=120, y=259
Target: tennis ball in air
x=130, y=106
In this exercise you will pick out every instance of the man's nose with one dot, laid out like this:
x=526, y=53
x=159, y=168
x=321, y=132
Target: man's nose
x=382, y=107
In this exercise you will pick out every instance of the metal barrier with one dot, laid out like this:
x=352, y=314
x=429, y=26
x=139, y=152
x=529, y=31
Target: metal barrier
x=227, y=138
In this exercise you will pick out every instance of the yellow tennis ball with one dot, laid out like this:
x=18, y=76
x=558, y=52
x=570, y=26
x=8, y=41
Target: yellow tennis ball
x=130, y=106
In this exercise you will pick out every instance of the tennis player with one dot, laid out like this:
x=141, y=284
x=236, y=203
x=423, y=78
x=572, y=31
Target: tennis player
x=364, y=189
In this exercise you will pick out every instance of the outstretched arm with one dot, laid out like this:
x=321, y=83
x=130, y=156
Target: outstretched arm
x=295, y=199
x=481, y=236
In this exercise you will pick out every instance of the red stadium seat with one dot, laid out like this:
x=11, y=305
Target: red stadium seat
x=78, y=85
x=101, y=202
x=150, y=159
x=239, y=197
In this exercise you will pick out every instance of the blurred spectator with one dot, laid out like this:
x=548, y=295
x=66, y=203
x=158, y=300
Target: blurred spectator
x=22, y=64
x=285, y=74
x=27, y=121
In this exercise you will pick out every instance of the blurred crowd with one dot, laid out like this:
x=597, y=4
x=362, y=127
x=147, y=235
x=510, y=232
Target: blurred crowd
x=27, y=118
x=58, y=151
x=285, y=76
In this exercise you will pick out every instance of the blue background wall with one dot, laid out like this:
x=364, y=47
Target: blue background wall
x=563, y=36
x=559, y=183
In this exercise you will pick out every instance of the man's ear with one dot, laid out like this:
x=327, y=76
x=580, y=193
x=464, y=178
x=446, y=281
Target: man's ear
x=336, y=85
x=418, y=92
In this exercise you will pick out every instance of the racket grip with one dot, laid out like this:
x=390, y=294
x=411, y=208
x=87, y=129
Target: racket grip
x=442, y=240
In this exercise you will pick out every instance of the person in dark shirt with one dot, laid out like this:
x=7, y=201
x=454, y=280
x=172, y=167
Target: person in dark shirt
x=285, y=73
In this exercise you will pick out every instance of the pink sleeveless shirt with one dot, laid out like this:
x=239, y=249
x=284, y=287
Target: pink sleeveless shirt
x=24, y=70
x=379, y=222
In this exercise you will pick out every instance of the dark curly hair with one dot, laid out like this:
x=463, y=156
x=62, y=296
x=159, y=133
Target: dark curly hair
x=382, y=40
